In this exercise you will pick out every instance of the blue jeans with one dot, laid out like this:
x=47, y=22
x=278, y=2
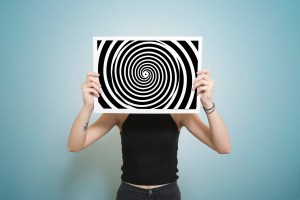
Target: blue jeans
x=170, y=191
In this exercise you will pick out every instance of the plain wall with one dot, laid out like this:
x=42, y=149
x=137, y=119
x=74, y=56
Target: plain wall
x=251, y=48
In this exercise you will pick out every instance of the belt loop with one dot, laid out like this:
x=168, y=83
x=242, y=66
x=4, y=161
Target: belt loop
x=150, y=192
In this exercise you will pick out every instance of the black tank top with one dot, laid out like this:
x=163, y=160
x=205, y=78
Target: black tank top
x=149, y=149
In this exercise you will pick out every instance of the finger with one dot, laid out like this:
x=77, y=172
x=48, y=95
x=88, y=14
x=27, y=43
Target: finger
x=98, y=81
x=91, y=79
x=204, y=82
x=93, y=85
x=202, y=88
x=207, y=73
x=94, y=79
x=196, y=84
x=89, y=85
x=200, y=77
x=202, y=71
x=92, y=74
x=204, y=76
x=96, y=86
x=93, y=91
x=200, y=83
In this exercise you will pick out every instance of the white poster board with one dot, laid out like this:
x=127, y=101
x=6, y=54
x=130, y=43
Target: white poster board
x=147, y=74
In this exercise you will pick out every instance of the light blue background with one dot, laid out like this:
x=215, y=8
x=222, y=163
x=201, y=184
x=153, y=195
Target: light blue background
x=251, y=48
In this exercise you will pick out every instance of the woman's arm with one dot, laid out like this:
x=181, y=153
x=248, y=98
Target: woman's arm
x=215, y=136
x=218, y=131
x=82, y=135
x=79, y=128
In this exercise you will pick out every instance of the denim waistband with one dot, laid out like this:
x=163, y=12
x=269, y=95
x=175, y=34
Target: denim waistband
x=162, y=189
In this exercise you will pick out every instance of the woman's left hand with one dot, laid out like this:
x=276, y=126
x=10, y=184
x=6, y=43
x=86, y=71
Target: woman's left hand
x=205, y=86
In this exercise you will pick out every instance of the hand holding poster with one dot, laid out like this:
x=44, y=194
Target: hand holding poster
x=147, y=74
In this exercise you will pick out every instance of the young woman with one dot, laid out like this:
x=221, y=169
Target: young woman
x=149, y=141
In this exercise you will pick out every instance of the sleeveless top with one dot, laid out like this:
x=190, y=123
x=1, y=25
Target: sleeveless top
x=149, y=149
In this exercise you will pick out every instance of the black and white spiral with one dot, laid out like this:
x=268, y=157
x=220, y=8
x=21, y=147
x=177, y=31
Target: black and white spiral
x=147, y=74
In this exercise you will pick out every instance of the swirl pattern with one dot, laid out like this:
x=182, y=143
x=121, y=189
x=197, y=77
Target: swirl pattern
x=143, y=74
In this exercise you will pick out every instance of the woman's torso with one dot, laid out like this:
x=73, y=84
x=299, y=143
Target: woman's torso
x=121, y=120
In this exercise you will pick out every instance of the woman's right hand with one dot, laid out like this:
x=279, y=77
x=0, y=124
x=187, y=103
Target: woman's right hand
x=90, y=87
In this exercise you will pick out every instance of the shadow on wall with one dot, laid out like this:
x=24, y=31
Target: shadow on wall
x=95, y=172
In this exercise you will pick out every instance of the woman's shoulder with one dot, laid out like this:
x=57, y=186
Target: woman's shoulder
x=178, y=118
x=117, y=118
